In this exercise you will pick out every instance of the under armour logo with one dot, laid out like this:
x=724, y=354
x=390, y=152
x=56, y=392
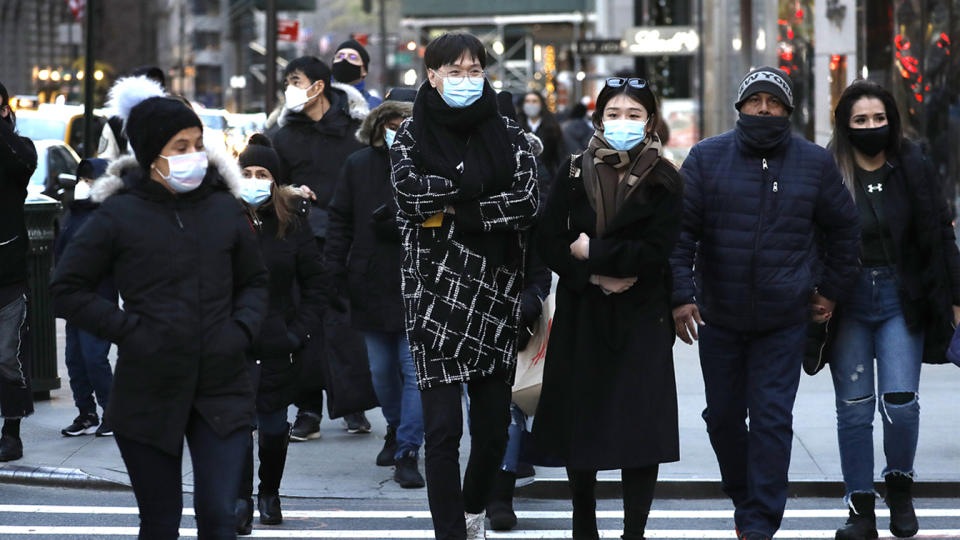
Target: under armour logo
x=874, y=187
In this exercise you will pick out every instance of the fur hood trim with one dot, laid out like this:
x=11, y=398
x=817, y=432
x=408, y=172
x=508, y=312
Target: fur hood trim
x=374, y=119
x=357, y=107
x=112, y=182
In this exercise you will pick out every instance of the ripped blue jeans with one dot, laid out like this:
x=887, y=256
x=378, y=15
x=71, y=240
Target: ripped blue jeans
x=871, y=328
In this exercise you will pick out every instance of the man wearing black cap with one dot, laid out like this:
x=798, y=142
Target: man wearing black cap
x=350, y=65
x=760, y=205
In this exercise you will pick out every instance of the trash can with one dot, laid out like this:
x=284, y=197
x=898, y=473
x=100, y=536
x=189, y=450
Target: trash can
x=42, y=216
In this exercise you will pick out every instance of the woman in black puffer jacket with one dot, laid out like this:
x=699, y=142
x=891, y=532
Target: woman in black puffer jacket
x=186, y=262
x=297, y=298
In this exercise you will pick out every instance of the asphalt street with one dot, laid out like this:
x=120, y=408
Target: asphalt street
x=42, y=512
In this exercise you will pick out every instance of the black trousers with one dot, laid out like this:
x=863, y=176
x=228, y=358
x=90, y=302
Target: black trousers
x=638, y=486
x=443, y=427
x=156, y=478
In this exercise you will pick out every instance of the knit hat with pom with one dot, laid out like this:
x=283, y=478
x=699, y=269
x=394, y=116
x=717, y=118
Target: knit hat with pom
x=150, y=118
x=260, y=153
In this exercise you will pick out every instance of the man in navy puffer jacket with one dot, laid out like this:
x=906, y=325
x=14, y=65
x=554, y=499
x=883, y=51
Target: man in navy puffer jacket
x=748, y=275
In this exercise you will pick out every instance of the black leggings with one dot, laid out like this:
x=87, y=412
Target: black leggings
x=638, y=487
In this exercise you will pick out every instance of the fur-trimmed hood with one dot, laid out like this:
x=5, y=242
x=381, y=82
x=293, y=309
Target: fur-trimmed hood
x=112, y=182
x=378, y=115
x=357, y=107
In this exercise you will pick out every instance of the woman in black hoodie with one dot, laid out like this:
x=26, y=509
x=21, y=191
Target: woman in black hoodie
x=297, y=297
x=186, y=262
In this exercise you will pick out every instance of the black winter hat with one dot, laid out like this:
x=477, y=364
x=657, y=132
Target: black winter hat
x=153, y=122
x=408, y=95
x=770, y=80
x=260, y=153
x=355, y=45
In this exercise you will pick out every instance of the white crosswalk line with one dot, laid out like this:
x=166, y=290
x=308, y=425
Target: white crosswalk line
x=411, y=534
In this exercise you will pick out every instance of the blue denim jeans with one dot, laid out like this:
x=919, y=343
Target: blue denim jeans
x=395, y=383
x=518, y=425
x=89, y=369
x=871, y=327
x=755, y=374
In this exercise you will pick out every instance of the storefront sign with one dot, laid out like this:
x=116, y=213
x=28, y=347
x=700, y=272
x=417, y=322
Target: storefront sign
x=599, y=46
x=662, y=40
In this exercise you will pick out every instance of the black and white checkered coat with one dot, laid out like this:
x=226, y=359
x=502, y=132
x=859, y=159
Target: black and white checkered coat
x=461, y=315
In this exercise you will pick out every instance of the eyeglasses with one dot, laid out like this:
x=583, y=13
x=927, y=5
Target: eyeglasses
x=353, y=57
x=617, y=82
x=456, y=76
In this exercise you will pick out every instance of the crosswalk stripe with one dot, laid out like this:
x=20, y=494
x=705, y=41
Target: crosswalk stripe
x=606, y=533
x=423, y=514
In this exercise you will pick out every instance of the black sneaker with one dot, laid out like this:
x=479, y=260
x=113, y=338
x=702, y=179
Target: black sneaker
x=357, y=422
x=104, y=430
x=85, y=424
x=306, y=427
x=406, y=473
x=386, y=456
x=11, y=448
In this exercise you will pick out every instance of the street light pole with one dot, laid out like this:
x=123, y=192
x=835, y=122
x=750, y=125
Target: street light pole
x=384, y=70
x=89, y=82
x=271, y=68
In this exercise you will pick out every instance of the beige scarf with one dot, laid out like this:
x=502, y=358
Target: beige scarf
x=602, y=165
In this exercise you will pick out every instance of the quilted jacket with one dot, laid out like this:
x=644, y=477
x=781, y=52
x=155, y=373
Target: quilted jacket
x=747, y=254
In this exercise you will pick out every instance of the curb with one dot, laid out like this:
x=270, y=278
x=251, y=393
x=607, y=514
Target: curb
x=32, y=475
x=667, y=488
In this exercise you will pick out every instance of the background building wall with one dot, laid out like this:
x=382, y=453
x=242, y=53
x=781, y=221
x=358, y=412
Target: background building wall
x=835, y=61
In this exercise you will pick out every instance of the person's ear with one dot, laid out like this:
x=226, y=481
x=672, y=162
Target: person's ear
x=434, y=79
x=321, y=86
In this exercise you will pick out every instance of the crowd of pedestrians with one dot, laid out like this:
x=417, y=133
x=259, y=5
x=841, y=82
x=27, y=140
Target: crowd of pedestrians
x=398, y=253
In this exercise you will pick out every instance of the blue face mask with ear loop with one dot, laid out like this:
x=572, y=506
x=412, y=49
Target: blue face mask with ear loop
x=388, y=136
x=254, y=191
x=623, y=135
x=463, y=93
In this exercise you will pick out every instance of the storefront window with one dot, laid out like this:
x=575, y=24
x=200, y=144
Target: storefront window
x=795, y=56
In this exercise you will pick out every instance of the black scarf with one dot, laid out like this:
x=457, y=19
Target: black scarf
x=763, y=134
x=477, y=137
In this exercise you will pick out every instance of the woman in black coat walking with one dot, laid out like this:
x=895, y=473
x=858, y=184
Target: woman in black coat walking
x=186, y=262
x=297, y=298
x=534, y=117
x=609, y=398
x=900, y=312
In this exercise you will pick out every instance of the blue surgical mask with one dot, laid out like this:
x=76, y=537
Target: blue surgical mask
x=623, y=135
x=186, y=171
x=463, y=93
x=254, y=190
x=388, y=136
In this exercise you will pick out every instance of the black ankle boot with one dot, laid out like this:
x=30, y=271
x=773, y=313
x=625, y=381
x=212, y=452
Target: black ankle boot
x=244, y=509
x=500, y=508
x=862, y=523
x=273, y=457
x=903, y=518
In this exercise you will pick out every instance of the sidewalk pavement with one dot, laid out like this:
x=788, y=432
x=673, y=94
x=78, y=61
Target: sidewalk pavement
x=341, y=465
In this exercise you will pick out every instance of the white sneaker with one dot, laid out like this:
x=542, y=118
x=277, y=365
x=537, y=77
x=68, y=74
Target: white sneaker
x=476, y=526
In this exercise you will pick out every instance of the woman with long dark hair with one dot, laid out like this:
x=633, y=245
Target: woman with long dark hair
x=900, y=312
x=535, y=117
x=609, y=398
x=297, y=298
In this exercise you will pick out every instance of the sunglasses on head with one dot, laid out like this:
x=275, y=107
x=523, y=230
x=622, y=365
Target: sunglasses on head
x=617, y=82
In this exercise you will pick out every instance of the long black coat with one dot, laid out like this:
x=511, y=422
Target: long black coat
x=195, y=292
x=18, y=159
x=609, y=398
x=925, y=252
x=298, y=291
x=363, y=250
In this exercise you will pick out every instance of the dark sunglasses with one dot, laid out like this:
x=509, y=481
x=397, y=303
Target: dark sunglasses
x=617, y=82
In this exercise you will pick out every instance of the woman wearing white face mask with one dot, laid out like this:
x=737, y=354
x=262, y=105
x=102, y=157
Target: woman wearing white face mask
x=297, y=298
x=609, y=398
x=185, y=260
x=536, y=118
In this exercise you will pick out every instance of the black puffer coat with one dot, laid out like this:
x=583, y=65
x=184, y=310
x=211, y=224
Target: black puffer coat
x=298, y=291
x=195, y=292
x=312, y=152
x=18, y=159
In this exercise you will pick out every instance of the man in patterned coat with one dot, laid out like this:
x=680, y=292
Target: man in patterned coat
x=466, y=189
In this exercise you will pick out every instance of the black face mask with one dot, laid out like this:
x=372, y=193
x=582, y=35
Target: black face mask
x=763, y=134
x=870, y=141
x=346, y=72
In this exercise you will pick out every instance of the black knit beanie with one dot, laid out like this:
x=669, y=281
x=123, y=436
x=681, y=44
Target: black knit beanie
x=355, y=45
x=260, y=153
x=770, y=80
x=153, y=122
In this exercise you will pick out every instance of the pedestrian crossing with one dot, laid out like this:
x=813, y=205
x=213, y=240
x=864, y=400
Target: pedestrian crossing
x=410, y=524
